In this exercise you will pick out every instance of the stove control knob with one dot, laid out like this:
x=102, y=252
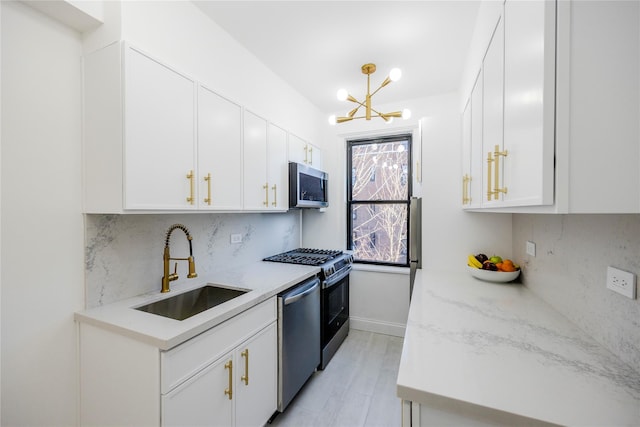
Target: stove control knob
x=330, y=270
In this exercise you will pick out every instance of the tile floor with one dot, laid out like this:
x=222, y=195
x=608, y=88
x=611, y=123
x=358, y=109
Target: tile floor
x=357, y=388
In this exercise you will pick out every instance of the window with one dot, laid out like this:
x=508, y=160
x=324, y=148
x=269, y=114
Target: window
x=378, y=197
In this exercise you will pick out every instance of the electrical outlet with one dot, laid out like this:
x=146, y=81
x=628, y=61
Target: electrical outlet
x=531, y=248
x=621, y=282
x=236, y=238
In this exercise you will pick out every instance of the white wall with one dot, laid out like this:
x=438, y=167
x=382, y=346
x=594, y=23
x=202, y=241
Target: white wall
x=42, y=228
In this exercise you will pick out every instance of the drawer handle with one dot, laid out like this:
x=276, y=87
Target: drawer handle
x=229, y=391
x=245, y=377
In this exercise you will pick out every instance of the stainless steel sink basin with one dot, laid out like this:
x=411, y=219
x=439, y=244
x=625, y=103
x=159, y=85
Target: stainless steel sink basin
x=185, y=305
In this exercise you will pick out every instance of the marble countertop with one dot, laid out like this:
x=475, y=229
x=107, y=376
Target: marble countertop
x=499, y=346
x=262, y=279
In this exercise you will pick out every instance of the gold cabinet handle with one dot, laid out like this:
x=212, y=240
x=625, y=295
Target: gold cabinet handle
x=465, y=189
x=207, y=199
x=190, y=199
x=266, y=194
x=306, y=152
x=275, y=195
x=245, y=377
x=418, y=172
x=496, y=156
x=489, y=164
x=311, y=155
x=229, y=391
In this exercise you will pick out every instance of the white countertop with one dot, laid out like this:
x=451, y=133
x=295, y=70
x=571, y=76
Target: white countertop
x=263, y=279
x=499, y=346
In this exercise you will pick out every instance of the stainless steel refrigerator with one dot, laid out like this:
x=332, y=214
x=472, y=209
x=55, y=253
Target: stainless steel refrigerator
x=415, y=239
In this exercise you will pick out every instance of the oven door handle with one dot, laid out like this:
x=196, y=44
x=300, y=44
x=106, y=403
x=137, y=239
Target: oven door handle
x=301, y=292
x=332, y=280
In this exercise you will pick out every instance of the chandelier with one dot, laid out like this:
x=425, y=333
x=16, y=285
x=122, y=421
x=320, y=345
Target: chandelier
x=343, y=95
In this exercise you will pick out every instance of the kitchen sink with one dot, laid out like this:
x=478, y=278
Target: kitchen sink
x=185, y=305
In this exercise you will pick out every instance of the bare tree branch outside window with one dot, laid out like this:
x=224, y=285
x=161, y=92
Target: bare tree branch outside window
x=379, y=194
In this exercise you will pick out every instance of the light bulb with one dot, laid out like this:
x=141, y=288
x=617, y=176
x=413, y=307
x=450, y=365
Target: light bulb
x=342, y=94
x=332, y=119
x=395, y=74
x=406, y=114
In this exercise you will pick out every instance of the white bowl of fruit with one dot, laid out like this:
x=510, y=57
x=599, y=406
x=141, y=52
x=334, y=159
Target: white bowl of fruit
x=492, y=269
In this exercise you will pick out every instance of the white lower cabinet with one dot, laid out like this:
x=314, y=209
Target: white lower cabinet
x=237, y=389
x=225, y=376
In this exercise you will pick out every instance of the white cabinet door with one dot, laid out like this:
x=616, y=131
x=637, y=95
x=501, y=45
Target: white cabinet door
x=466, y=155
x=219, y=152
x=529, y=89
x=476, y=190
x=493, y=110
x=204, y=399
x=159, y=133
x=256, y=189
x=277, y=169
x=257, y=380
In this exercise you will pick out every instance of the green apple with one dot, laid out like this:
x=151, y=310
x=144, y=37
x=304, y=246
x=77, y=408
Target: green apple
x=495, y=259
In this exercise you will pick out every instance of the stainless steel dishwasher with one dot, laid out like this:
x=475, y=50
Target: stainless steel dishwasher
x=298, y=338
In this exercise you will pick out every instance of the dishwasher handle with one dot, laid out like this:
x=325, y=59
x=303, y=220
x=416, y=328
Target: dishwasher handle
x=300, y=292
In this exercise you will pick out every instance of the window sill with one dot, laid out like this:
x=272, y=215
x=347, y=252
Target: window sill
x=381, y=268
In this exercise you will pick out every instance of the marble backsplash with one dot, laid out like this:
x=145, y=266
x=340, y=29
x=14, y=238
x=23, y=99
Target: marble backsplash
x=569, y=272
x=123, y=253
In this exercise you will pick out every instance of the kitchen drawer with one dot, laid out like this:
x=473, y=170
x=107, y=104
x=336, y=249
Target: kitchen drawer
x=183, y=361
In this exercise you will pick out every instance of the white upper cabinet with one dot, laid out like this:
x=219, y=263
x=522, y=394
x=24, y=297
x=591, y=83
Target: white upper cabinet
x=493, y=117
x=301, y=151
x=277, y=170
x=139, y=133
x=472, y=170
x=561, y=101
x=256, y=187
x=466, y=154
x=159, y=135
x=156, y=140
x=265, y=165
x=219, y=152
x=529, y=97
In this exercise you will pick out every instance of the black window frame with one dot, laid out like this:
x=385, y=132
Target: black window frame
x=350, y=202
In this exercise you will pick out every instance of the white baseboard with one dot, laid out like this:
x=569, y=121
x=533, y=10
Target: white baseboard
x=369, y=325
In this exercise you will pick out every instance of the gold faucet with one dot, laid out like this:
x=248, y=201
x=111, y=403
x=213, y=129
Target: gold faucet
x=167, y=257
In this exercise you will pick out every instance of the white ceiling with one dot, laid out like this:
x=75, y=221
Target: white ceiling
x=319, y=47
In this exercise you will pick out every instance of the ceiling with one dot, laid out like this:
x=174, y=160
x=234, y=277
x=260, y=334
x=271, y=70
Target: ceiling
x=319, y=47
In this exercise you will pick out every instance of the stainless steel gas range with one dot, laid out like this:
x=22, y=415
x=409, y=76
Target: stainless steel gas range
x=334, y=266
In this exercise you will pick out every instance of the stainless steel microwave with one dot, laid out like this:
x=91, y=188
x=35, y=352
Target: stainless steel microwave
x=308, y=187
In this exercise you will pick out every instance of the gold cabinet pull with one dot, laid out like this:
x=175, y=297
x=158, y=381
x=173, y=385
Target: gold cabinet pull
x=207, y=199
x=190, y=199
x=306, y=152
x=465, y=189
x=489, y=164
x=229, y=391
x=266, y=194
x=497, y=153
x=311, y=155
x=275, y=195
x=245, y=377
